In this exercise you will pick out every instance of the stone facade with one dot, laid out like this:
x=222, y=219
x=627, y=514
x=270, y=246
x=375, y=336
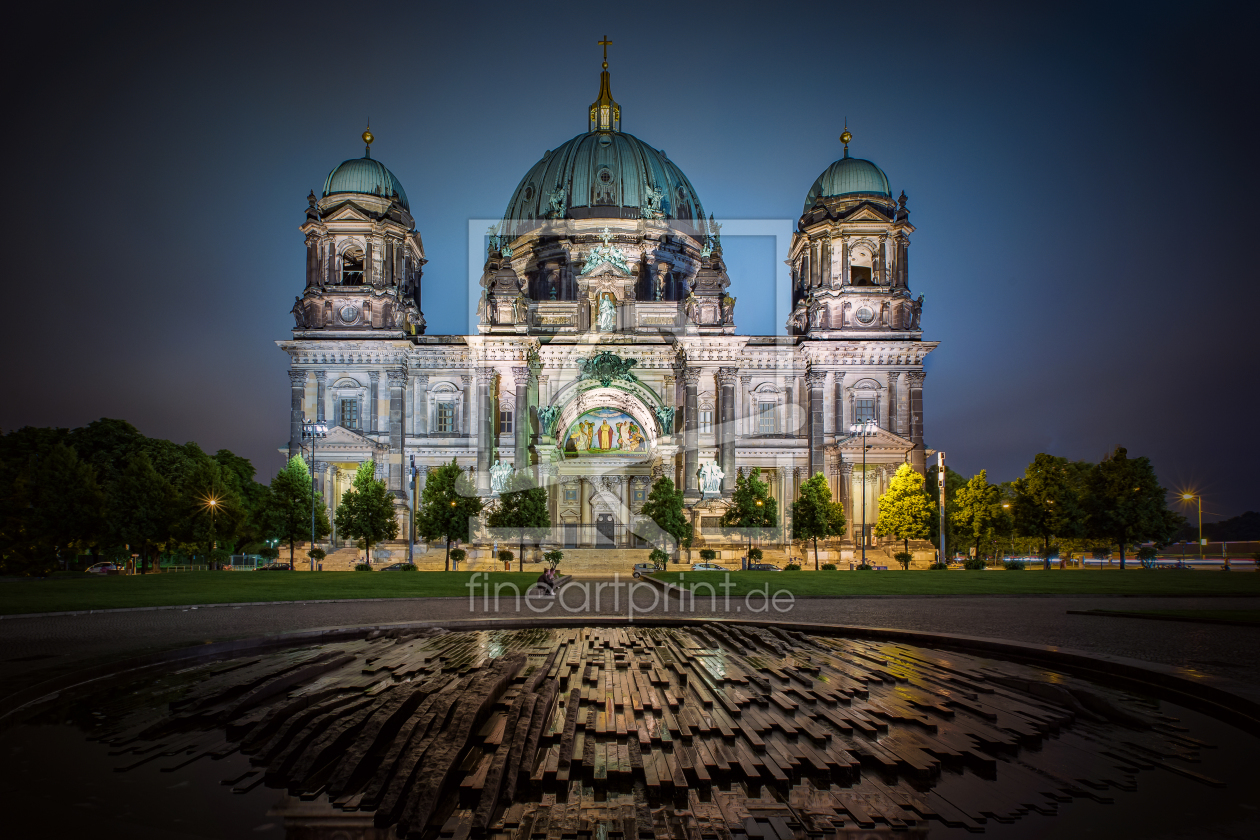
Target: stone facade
x=607, y=352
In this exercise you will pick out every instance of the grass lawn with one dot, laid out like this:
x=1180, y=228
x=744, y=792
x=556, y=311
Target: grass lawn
x=1234, y=616
x=91, y=592
x=1073, y=582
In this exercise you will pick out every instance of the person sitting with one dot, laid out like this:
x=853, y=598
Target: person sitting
x=547, y=582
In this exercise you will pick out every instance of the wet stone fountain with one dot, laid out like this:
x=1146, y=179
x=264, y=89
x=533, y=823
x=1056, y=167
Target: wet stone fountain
x=716, y=731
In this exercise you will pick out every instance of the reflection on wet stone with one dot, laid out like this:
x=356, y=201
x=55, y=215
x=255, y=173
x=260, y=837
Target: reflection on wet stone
x=637, y=732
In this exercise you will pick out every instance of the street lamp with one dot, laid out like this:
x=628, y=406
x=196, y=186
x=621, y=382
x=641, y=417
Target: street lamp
x=866, y=427
x=213, y=504
x=313, y=432
x=1185, y=497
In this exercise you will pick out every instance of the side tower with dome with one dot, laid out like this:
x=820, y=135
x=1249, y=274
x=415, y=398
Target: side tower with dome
x=606, y=353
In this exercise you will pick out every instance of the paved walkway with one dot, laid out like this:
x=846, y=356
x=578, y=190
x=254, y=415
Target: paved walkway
x=34, y=649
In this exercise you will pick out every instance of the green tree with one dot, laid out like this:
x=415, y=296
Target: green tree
x=664, y=506
x=289, y=506
x=210, y=507
x=239, y=472
x=905, y=510
x=1126, y=504
x=815, y=515
x=366, y=511
x=142, y=508
x=979, y=509
x=446, y=506
x=752, y=507
x=522, y=506
x=1047, y=501
x=55, y=508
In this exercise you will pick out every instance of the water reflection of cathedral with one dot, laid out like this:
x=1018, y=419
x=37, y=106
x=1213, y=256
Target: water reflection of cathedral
x=606, y=352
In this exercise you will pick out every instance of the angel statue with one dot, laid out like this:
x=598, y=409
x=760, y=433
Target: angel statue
x=499, y=475
x=711, y=476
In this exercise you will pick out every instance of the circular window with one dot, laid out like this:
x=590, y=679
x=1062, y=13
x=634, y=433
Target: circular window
x=348, y=313
x=865, y=315
x=529, y=193
x=605, y=176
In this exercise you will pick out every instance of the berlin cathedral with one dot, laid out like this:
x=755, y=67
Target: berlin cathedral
x=607, y=352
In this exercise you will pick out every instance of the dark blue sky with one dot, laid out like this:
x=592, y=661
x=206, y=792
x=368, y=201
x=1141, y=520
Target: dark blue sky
x=1082, y=177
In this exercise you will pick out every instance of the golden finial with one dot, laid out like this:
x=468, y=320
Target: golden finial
x=605, y=44
x=846, y=137
x=368, y=138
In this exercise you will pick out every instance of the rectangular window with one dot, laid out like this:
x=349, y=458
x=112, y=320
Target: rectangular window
x=706, y=422
x=570, y=494
x=640, y=495
x=350, y=414
x=445, y=418
x=505, y=421
x=765, y=418
x=863, y=410
x=710, y=523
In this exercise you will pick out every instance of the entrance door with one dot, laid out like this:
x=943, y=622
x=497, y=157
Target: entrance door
x=604, y=531
x=570, y=536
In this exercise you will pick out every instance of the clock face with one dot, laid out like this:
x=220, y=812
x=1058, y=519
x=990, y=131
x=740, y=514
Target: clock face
x=865, y=315
x=348, y=313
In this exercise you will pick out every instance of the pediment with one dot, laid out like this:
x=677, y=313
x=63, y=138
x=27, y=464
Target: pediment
x=343, y=438
x=866, y=213
x=348, y=213
x=880, y=440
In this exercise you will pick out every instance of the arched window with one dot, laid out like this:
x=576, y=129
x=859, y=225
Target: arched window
x=352, y=266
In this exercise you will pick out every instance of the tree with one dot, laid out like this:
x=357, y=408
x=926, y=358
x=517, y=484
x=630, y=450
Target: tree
x=905, y=510
x=142, y=507
x=446, y=506
x=815, y=515
x=523, y=506
x=366, y=511
x=210, y=507
x=752, y=506
x=289, y=506
x=664, y=506
x=54, y=508
x=979, y=509
x=1047, y=501
x=1125, y=503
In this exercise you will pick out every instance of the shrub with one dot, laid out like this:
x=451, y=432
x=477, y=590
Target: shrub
x=269, y=553
x=864, y=567
x=458, y=555
x=317, y=554
x=708, y=555
x=554, y=557
x=362, y=567
x=659, y=559
x=408, y=567
x=1013, y=565
x=792, y=567
x=506, y=556
x=975, y=564
x=904, y=558
x=754, y=555
x=939, y=566
x=1146, y=556
x=828, y=567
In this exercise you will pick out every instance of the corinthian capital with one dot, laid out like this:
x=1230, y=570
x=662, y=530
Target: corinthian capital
x=297, y=378
x=486, y=376
x=521, y=375
x=397, y=377
x=727, y=376
x=815, y=378
x=690, y=376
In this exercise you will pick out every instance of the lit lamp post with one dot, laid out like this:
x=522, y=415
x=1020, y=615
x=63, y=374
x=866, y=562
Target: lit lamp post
x=213, y=504
x=866, y=427
x=313, y=432
x=1007, y=506
x=1185, y=497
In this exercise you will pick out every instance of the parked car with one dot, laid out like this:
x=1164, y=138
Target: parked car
x=641, y=569
x=707, y=567
x=393, y=567
x=103, y=568
x=763, y=567
x=274, y=567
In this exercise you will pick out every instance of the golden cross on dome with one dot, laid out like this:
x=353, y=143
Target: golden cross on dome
x=605, y=44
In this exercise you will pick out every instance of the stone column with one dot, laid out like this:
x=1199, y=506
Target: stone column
x=466, y=418
x=374, y=399
x=485, y=426
x=726, y=429
x=744, y=425
x=422, y=475
x=842, y=418
x=846, y=494
x=691, y=380
x=790, y=423
x=320, y=378
x=520, y=420
x=885, y=407
x=894, y=403
x=397, y=383
x=297, y=393
x=844, y=261
x=914, y=379
x=814, y=380
x=421, y=427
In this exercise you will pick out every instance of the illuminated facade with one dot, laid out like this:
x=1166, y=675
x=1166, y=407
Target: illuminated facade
x=606, y=352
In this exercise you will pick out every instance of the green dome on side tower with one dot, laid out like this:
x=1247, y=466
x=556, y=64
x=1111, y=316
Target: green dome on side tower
x=848, y=176
x=366, y=177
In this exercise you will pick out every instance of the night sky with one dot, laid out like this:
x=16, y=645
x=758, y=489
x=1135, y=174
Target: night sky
x=1083, y=179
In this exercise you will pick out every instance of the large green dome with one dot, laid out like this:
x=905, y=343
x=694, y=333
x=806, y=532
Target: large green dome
x=604, y=174
x=848, y=176
x=365, y=176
